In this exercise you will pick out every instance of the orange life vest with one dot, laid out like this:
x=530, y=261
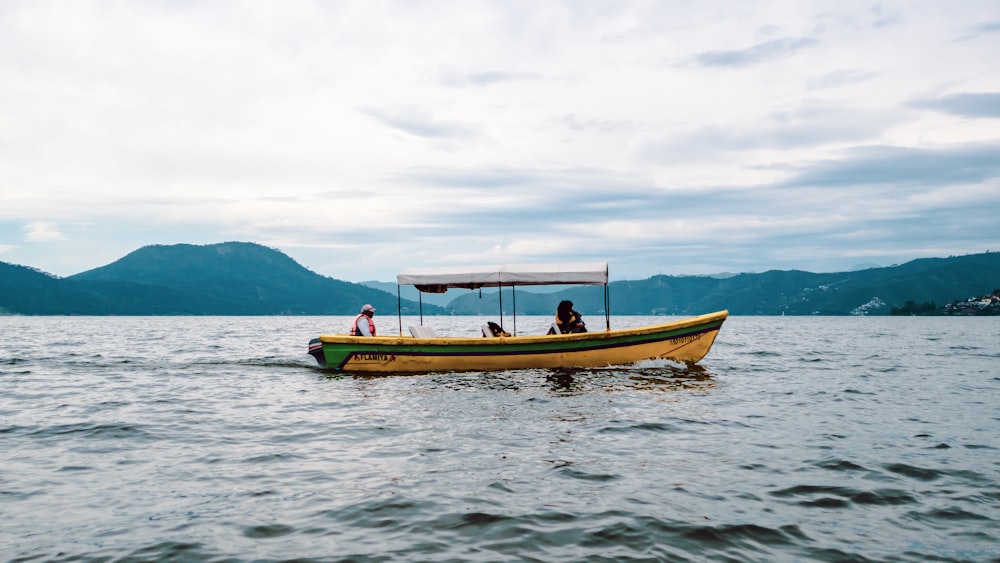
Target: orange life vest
x=354, y=325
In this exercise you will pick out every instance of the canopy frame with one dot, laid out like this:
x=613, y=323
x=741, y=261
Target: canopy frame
x=439, y=280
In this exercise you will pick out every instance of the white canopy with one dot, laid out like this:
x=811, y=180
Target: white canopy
x=437, y=280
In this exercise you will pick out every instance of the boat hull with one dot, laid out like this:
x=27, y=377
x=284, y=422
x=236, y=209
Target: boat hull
x=686, y=341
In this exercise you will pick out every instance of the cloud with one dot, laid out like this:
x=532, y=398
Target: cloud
x=809, y=125
x=488, y=177
x=842, y=77
x=577, y=123
x=499, y=205
x=904, y=166
x=421, y=123
x=979, y=30
x=42, y=231
x=979, y=104
x=772, y=49
x=461, y=79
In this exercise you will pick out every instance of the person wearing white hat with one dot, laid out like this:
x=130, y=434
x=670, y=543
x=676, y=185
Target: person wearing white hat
x=364, y=324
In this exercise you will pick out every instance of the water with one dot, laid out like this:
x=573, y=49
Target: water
x=188, y=439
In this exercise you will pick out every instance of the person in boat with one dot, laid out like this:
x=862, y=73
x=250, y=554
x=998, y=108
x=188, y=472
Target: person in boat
x=364, y=324
x=567, y=320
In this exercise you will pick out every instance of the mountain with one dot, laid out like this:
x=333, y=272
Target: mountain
x=873, y=291
x=233, y=278
x=240, y=278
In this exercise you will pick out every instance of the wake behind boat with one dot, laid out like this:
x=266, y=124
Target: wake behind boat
x=686, y=340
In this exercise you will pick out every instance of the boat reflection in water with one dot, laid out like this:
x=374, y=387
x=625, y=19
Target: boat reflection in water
x=668, y=379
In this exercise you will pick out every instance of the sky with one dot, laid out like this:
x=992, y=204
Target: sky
x=363, y=138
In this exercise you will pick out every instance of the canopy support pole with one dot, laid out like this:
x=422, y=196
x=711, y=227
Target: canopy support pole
x=399, y=309
x=513, y=296
x=607, y=309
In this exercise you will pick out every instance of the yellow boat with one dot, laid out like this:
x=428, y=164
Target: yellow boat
x=685, y=340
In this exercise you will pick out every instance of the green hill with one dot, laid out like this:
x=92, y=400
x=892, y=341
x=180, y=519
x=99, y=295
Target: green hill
x=873, y=291
x=233, y=278
x=239, y=278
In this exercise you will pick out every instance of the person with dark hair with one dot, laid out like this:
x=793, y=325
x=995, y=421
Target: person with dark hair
x=567, y=320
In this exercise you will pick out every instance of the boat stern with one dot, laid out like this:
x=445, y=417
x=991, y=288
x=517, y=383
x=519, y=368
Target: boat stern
x=316, y=351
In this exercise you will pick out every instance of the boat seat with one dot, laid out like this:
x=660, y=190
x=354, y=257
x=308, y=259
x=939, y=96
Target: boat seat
x=487, y=331
x=422, y=331
x=555, y=329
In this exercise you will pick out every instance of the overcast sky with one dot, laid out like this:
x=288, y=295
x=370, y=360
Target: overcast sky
x=361, y=138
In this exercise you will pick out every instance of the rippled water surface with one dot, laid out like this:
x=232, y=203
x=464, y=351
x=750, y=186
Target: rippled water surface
x=218, y=439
